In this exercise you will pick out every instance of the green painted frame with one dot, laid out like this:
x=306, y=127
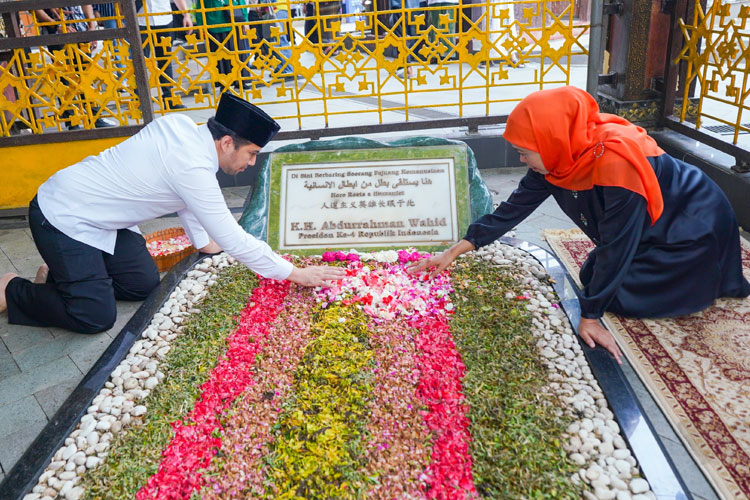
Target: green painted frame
x=457, y=152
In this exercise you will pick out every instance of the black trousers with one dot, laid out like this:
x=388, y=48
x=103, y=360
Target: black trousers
x=83, y=282
x=223, y=65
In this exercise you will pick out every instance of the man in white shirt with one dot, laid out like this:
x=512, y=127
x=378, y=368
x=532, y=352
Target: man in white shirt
x=83, y=218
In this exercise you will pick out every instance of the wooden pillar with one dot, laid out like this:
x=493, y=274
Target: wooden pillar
x=631, y=81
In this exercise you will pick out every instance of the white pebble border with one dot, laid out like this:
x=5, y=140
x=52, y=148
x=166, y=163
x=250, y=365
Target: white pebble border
x=595, y=443
x=117, y=404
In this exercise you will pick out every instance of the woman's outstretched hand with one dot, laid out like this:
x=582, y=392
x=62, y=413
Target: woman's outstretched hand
x=440, y=262
x=437, y=263
x=316, y=275
x=592, y=332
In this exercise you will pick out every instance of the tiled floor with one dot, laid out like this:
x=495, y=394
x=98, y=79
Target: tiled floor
x=39, y=367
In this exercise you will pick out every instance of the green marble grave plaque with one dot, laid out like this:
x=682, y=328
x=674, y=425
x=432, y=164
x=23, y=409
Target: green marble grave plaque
x=372, y=198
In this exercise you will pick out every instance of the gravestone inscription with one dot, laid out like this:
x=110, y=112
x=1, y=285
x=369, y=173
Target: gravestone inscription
x=368, y=198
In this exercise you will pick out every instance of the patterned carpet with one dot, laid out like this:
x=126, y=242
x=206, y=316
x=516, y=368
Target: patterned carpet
x=697, y=367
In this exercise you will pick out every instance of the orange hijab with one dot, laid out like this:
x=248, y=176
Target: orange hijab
x=582, y=147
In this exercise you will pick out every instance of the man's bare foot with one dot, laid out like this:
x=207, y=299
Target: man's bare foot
x=3, y=285
x=41, y=274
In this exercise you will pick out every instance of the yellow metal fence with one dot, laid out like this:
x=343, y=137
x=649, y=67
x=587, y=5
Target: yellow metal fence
x=716, y=52
x=328, y=69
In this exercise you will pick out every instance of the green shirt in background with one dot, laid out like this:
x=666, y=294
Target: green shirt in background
x=218, y=16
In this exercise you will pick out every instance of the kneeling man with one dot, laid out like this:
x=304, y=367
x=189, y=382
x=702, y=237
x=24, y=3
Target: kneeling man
x=83, y=218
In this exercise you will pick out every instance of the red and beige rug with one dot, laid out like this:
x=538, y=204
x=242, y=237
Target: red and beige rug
x=697, y=367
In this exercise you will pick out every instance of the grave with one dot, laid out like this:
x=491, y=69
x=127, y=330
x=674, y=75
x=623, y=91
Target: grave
x=386, y=385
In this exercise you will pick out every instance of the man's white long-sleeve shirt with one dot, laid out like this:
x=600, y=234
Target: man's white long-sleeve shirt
x=169, y=166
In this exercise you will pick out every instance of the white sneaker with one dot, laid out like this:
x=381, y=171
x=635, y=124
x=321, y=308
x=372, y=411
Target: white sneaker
x=400, y=73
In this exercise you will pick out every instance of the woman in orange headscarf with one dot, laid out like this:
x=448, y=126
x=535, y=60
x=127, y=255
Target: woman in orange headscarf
x=667, y=239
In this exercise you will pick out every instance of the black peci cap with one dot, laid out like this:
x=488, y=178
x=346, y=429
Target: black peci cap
x=246, y=120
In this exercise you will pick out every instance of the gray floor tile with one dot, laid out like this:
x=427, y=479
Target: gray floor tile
x=21, y=246
x=8, y=366
x=691, y=474
x=51, y=398
x=88, y=353
x=13, y=446
x=27, y=267
x=19, y=414
x=6, y=266
x=233, y=200
x=18, y=337
x=657, y=418
x=58, y=347
x=13, y=235
x=18, y=386
x=159, y=224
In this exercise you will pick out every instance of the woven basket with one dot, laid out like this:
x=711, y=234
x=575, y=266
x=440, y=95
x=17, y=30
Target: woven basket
x=165, y=262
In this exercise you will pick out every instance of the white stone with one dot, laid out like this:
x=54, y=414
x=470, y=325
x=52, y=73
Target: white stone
x=593, y=473
x=69, y=451
x=130, y=384
x=138, y=411
x=56, y=465
x=79, y=458
x=613, y=426
x=639, y=485
x=151, y=382
x=604, y=494
x=623, y=468
x=621, y=453
x=619, y=442
x=88, y=425
x=32, y=496
x=619, y=484
x=75, y=493
x=548, y=353
x=166, y=324
x=578, y=458
x=66, y=475
x=92, y=462
x=606, y=448
x=103, y=425
x=623, y=495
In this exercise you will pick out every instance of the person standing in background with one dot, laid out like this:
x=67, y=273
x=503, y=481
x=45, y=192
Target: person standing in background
x=404, y=27
x=72, y=19
x=105, y=11
x=159, y=21
x=220, y=25
x=279, y=10
x=443, y=19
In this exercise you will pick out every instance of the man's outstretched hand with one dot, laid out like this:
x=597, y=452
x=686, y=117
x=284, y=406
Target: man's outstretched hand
x=316, y=275
x=594, y=333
